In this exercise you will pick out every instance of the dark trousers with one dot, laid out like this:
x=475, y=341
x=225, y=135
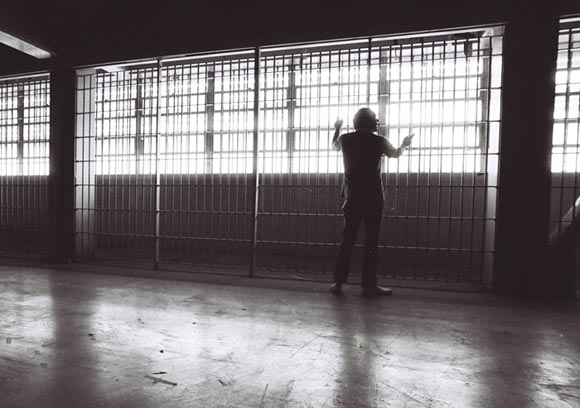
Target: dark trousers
x=356, y=211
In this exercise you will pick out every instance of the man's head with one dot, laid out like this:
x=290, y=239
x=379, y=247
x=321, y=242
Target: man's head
x=365, y=119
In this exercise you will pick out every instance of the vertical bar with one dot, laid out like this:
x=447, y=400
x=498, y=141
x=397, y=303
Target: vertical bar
x=4, y=126
x=168, y=208
x=210, y=112
x=247, y=116
x=480, y=150
x=483, y=95
x=417, y=209
x=418, y=249
x=157, y=187
x=395, y=55
x=298, y=181
x=108, y=240
x=100, y=212
x=368, y=90
x=226, y=159
x=255, y=182
x=20, y=116
x=407, y=248
x=440, y=144
x=125, y=234
x=429, y=136
x=565, y=148
x=462, y=187
x=26, y=185
x=215, y=161
x=21, y=240
x=116, y=129
x=574, y=207
x=182, y=154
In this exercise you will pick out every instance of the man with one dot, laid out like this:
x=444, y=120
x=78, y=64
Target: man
x=362, y=190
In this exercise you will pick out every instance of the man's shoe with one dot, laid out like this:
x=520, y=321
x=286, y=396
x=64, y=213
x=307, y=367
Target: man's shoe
x=336, y=288
x=377, y=291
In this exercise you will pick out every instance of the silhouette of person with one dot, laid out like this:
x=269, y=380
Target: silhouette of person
x=362, y=190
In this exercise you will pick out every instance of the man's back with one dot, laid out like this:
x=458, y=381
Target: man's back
x=362, y=151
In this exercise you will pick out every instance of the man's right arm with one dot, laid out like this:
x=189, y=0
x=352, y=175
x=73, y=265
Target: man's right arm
x=335, y=142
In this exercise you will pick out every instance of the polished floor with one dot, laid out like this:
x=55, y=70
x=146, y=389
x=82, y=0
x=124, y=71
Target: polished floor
x=78, y=339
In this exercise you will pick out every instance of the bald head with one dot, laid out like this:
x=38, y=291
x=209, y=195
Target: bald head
x=365, y=119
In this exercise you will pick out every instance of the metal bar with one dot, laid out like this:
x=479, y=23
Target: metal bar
x=419, y=202
x=482, y=155
x=428, y=136
x=116, y=122
x=20, y=115
x=100, y=253
x=562, y=204
x=452, y=168
x=462, y=185
x=484, y=130
x=157, y=198
x=255, y=182
x=110, y=175
x=402, y=186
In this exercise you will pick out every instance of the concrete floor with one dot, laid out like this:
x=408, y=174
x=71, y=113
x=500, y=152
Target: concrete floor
x=77, y=339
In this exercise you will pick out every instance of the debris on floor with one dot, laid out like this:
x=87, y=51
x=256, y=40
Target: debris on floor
x=160, y=380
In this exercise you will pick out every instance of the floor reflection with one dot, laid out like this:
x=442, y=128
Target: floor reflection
x=75, y=375
x=71, y=339
x=356, y=385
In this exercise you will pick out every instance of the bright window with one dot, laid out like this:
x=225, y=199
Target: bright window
x=566, y=134
x=24, y=126
x=445, y=89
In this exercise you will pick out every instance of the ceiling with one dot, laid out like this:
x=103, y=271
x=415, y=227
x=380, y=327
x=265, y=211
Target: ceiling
x=91, y=31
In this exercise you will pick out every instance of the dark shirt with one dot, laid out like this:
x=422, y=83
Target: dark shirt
x=361, y=152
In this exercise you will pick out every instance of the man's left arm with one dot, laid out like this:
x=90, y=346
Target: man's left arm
x=390, y=151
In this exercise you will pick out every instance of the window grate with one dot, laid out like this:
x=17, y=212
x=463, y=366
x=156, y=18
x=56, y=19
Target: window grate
x=165, y=155
x=24, y=164
x=565, y=202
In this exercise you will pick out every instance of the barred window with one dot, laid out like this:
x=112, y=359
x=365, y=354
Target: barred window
x=196, y=115
x=565, y=202
x=446, y=91
x=24, y=126
x=566, y=134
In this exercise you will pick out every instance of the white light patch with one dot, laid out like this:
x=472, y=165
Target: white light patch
x=24, y=46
